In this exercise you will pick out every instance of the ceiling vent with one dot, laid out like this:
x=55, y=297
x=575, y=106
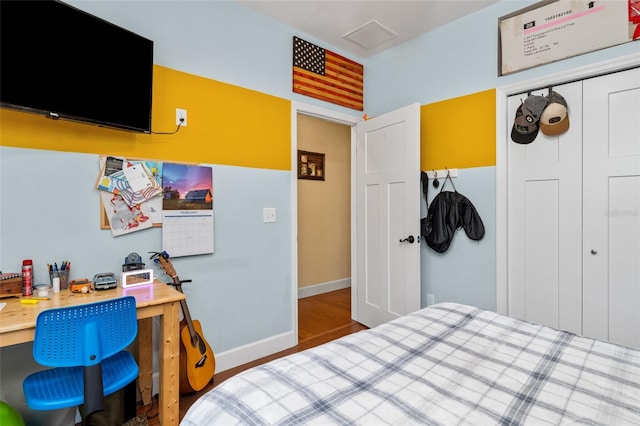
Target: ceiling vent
x=370, y=35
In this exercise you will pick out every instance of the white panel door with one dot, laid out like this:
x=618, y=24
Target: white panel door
x=544, y=221
x=388, y=211
x=612, y=207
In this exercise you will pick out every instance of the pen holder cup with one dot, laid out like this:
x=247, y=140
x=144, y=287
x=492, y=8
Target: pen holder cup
x=64, y=278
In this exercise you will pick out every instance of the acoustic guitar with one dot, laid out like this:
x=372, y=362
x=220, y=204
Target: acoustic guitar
x=197, y=361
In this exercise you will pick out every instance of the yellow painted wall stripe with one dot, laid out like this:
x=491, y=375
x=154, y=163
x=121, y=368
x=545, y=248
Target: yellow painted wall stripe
x=459, y=132
x=227, y=125
x=235, y=126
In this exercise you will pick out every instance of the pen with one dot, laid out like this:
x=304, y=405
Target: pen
x=29, y=301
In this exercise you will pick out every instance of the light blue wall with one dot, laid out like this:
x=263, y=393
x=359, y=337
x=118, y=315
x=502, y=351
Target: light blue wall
x=466, y=272
x=242, y=293
x=50, y=212
x=456, y=60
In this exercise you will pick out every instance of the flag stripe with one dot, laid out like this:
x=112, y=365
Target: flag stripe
x=338, y=71
x=322, y=74
x=338, y=84
x=307, y=83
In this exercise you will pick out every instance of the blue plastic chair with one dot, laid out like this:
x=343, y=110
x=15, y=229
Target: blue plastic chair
x=86, y=345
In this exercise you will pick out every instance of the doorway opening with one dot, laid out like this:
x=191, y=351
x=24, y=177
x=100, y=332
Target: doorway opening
x=322, y=225
x=324, y=222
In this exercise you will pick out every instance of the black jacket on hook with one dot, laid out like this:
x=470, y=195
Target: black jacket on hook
x=448, y=212
x=425, y=225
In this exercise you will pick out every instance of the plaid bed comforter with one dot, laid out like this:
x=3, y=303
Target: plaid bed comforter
x=447, y=364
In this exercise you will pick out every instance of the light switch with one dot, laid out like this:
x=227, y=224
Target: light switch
x=269, y=214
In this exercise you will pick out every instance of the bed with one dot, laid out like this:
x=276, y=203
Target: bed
x=445, y=364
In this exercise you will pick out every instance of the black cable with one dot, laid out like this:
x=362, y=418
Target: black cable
x=170, y=133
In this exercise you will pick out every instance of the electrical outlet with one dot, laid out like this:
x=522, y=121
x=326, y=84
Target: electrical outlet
x=181, y=114
x=431, y=299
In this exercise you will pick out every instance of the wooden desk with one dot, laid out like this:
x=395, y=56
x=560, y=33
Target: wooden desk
x=18, y=321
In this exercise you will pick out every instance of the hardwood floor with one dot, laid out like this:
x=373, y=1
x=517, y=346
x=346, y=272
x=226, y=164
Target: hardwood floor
x=321, y=318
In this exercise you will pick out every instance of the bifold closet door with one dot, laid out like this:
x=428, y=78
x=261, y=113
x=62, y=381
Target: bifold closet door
x=611, y=252
x=544, y=190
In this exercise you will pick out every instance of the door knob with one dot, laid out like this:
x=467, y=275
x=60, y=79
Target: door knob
x=409, y=239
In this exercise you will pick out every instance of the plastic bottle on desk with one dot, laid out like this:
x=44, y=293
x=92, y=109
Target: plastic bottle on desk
x=27, y=277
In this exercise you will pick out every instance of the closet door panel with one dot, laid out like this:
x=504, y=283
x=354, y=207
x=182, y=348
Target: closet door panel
x=611, y=215
x=541, y=247
x=545, y=221
x=624, y=123
x=624, y=261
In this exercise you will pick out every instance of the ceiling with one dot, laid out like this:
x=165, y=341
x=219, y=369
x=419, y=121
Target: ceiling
x=365, y=28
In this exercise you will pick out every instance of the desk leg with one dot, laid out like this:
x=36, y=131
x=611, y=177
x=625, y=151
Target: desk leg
x=169, y=357
x=145, y=359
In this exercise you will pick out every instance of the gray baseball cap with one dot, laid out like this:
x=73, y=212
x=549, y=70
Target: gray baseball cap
x=523, y=132
x=533, y=107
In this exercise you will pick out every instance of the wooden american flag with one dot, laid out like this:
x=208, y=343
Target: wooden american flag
x=322, y=74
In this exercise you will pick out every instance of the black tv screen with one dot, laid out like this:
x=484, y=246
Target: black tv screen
x=61, y=62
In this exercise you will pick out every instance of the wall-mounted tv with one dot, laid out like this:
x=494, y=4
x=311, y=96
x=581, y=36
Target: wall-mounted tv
x=61, y=62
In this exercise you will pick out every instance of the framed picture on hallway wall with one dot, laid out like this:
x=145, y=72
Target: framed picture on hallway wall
x=310, y=165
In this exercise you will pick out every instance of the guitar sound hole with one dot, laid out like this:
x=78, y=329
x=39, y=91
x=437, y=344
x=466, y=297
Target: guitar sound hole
x=202, y=361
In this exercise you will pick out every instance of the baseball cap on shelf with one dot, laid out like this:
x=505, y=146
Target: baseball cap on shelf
x=523, y=131
x=555, y=117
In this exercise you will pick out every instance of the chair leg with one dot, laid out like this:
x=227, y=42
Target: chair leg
x=130, y=400
x=93, y=391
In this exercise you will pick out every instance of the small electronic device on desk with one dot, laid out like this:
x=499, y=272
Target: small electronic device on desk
x=132, y=262
x=105, y=281
x=81, y=285
x=11, y=284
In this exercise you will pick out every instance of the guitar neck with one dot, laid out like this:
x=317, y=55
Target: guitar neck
x=168, y=268
x=185, y=312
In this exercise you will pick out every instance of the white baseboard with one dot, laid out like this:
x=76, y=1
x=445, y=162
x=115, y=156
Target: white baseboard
x=245, y=354
x=312, y=290
x=251, y=352
x=255, y=350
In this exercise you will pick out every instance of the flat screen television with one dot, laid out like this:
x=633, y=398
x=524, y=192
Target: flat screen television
x=64, y=63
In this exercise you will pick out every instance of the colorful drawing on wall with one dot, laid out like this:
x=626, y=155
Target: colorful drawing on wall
x=134, y=181
x=129, y=210
x=324, y=75
x=187, y=209
x=124, y=219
